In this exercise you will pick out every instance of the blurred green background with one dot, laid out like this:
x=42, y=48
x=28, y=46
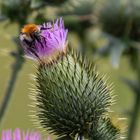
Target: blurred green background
x=90, y=27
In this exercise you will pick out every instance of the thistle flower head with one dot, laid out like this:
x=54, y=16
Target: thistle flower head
x=20, y=135
x=44, y=42
x=71, y=98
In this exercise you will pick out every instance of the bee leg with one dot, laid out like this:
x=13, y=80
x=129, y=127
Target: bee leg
x=44, y=40
x=31, y=47
x=45, y=28
x=38, y=39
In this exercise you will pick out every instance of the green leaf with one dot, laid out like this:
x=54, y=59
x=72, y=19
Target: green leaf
x=117, y=49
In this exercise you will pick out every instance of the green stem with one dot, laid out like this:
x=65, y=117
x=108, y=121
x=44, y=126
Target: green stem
x=19, y=60
x=9, y=90
x=135, y=64
x=134, y=118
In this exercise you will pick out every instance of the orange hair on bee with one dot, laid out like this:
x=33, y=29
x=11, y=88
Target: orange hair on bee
x=29, y=28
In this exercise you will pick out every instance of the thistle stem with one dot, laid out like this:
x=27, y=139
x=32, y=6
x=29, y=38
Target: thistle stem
x=19, y=60
x=134, y=117
x=135, y=64
x=9, y=90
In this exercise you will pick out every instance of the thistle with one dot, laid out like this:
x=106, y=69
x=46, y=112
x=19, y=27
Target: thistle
x=18, y=134
x=71, y=98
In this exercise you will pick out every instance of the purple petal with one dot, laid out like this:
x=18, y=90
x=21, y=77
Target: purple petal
x=16, y=134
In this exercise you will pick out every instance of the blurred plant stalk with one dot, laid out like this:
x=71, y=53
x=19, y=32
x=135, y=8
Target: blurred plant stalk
x=16, y=67
x=16, y=12
x=134, y=118
x=135, y=63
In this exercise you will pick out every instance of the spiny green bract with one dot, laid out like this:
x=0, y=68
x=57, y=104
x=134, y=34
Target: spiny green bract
x=72, y=98
x=104, y=130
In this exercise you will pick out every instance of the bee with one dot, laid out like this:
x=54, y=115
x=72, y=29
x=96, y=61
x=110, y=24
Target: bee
x=30, y=32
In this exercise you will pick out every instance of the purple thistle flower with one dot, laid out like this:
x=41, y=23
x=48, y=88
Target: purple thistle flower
x=20, y=135
x=44, y=42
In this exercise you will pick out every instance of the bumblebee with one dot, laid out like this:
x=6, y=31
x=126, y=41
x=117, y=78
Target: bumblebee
x=30, y=32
